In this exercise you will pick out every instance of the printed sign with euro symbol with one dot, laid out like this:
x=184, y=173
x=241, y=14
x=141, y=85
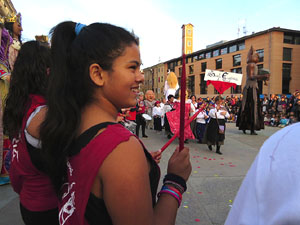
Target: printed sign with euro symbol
x=215, y=75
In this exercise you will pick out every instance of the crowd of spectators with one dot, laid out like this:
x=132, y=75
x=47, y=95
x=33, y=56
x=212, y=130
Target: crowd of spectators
x=278, y=110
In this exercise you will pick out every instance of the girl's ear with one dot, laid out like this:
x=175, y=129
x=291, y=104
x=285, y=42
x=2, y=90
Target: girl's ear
x=97, y=74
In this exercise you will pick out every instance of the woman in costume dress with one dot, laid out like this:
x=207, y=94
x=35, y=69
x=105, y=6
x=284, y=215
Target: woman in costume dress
x=250, y=114
x=217, y=116
x=6, y=40
x=10, y=45
x=174, y=119
x=15, y=29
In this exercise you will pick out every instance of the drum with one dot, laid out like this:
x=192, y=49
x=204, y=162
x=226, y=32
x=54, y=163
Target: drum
x=146, y=116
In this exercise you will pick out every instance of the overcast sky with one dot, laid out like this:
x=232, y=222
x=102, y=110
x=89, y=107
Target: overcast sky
x=158, y=22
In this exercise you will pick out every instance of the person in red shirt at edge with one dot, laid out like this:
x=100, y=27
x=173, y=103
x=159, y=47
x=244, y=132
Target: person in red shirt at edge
x=25, y=106
x=102, y=172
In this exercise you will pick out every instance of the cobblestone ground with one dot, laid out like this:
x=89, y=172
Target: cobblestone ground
x=212, y=186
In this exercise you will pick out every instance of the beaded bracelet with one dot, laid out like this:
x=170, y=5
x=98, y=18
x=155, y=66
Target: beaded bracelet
x=177, y=196
x=175, y=178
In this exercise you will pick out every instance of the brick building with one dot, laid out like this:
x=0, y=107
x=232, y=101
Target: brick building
x=279, y=51
x=7, y=8
x=155, y=79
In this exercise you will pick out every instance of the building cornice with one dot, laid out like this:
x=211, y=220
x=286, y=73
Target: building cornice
x=11, y=6
x=7, y=8
x=274, y=29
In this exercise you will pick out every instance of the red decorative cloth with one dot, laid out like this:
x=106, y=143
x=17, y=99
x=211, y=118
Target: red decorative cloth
x=220, y=85
x=174, y=120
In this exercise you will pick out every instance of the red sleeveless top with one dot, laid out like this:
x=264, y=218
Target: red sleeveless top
x=82, y=170
x=34, y=187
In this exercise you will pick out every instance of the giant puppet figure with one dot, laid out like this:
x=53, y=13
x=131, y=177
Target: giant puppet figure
x=171, y=85
x=149, y=103
x=173, y=117
x=250, y=113
x=10, y=35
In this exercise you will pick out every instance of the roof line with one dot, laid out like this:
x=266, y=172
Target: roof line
x=237, y=40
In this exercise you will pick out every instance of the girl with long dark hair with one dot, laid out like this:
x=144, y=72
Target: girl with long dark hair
x=101, y=172
x=23, y=114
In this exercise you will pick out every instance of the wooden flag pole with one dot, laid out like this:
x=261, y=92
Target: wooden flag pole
x=182, y=104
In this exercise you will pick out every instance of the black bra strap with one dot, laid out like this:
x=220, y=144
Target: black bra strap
x=86, y=137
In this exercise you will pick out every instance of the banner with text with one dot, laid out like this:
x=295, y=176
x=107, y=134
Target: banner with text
x=215, y=75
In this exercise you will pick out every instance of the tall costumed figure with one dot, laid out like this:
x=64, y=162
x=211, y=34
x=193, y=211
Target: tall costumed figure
x=10, y=35
x=171, y=85
x=250, y=113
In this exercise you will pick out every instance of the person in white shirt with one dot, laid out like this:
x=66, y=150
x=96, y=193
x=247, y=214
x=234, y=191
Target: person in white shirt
x=201, y=125
x=215, y=130
x=269, y=194
x=194, y=106
x=156, y=114
x=162, y=105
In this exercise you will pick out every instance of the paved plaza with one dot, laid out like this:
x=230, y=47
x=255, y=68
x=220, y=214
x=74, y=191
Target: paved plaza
x=212, y=186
